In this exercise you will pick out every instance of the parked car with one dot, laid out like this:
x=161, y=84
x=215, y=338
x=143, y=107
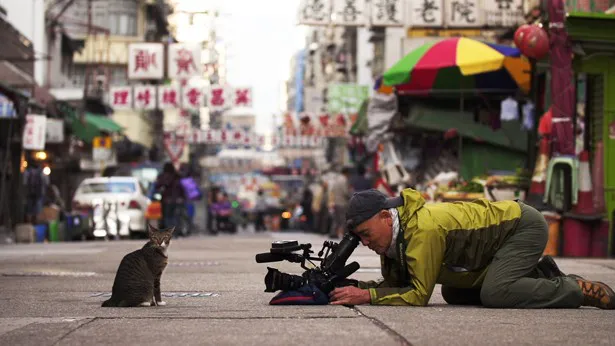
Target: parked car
x=118, y=204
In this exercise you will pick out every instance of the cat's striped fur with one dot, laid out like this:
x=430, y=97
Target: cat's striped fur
x=137, y=281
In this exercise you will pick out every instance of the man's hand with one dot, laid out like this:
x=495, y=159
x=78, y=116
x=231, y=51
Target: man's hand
x=349, y=295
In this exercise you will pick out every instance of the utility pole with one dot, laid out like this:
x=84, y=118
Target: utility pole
x=86, y=69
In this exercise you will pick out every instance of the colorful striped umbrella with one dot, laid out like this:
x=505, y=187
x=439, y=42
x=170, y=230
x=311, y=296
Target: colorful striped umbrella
x=460, y=63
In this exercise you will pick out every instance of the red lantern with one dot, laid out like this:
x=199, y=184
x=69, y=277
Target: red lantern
x=535, y=43
x=520, y=34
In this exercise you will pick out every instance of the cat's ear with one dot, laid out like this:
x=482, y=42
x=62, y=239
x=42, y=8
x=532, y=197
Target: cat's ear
x=171, y=230
x=151, y=230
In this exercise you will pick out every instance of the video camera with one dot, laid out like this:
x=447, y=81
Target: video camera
x=331, y=273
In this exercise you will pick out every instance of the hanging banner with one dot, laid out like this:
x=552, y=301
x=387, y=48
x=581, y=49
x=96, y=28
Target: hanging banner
x=314, y=12
x=168, y=97
x=54, y=131
x=145, y=97
x=503, y=13
x=34, y=132
x=145, y=61
x=349, y=12
x=217, y=99
x=193, y=98
x=463, y=13
x=242, y=97
x=346, y=98
x=184, y=61
x=426, y=13
x=387, y=12
x=211, y=137
x=120, y=97
x=174, y=145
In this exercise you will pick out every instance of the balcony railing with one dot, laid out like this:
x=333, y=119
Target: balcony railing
x=589, y=5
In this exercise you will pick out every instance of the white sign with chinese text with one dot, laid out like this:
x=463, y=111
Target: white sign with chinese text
x=192, y=97
x=120, y=97
x=218, y=98
x=184, y=60
x=313, y=100
x=504, y=13
x=34, y=132
x=349, y=12
x=168, y=97
x=387, y=12
x=242, y=97
x=54, y=130
x=426, y=13
x=145, y=97
x=314, y=12
x=145, y=61
x=463, y=13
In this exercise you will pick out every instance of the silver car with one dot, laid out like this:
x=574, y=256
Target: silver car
x=118, y=203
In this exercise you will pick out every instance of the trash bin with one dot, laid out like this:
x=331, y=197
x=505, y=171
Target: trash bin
x=40, y=232
x=576, y=237
x=600, y=239
x=53, y=231
x=553, y=220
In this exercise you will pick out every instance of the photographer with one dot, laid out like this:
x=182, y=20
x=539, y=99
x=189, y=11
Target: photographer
x=483, y=253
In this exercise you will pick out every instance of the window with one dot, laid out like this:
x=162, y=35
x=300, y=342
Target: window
x=123, y=17
x=111, y=187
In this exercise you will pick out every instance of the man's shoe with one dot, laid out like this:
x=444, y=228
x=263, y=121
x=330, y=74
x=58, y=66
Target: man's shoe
x=549, y=268
x=597, y=294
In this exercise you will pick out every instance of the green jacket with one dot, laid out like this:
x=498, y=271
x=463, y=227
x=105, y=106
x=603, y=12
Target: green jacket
x=446, y=243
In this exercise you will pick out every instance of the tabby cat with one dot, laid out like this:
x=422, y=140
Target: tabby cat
x=137, y=281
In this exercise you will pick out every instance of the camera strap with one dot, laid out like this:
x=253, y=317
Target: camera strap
x=396, y=202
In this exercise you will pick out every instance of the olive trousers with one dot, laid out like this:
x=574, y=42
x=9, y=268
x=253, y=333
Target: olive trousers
x=513, y=280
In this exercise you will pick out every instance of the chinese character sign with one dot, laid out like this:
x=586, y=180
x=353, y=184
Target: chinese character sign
x=349, y=12
x=34, y=132
x=120, y=97
x=314, y=12
x=168, y=97
x=184, y=61
x=242, y=97
x=145, y=97
x=193, y=97
x=426, y=13
x=463, y=13
x=503, y=12
x=217, y=98
x=145, y=61
x=387, y=12
x=54, y=131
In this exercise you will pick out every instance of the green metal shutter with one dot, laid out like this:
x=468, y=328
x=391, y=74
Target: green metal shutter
x=595, y=109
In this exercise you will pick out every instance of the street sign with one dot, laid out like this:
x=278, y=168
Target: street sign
x=174, y=145
x=101, y=149
x=34, y=132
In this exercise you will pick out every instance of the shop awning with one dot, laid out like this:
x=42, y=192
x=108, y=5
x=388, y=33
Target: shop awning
x=425, y=117
x=93, y=125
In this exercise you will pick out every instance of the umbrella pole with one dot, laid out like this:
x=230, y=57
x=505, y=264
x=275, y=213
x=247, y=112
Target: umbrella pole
x=460, y=144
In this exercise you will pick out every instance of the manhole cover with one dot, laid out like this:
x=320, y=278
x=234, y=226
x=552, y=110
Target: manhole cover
x=51, y=273
x=168, y=294
x=194, y=264
x=368, y=270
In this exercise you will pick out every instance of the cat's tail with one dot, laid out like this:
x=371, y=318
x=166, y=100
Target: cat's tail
x=109, y=303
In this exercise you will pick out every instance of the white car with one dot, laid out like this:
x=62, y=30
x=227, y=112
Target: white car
x=123, y=197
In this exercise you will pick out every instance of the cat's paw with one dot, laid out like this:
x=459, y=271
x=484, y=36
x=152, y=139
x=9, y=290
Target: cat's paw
x=161, y=303
x=146, y=304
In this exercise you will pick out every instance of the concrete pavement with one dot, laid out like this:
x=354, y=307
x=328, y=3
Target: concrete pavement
x=51, y=295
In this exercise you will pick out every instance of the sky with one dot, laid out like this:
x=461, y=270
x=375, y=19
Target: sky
x=260, y=37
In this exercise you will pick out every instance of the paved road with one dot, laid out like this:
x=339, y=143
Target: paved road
x=51, y=295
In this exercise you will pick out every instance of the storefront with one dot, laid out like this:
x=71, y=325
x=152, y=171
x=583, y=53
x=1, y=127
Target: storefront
x=593, y=39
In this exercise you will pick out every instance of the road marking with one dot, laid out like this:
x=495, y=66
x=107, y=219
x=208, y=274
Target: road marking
x=50, y=273
x=167, y=294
